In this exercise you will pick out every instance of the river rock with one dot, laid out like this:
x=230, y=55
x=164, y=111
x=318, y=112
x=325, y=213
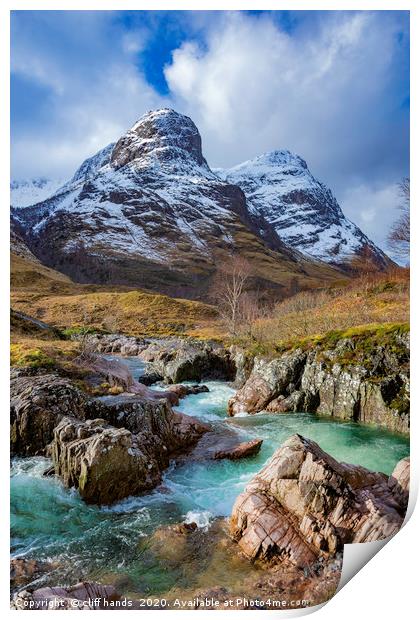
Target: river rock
x=286, y=404
x=149, y=378
x=125, y=453
x=178, y=360
x=304, y=505
x=155, y=421
x=187, y=430
x=182, y=390
x=104, y=463
x=25, y=570
x=135, y=413
x=335, y=382
x=37, y=405
x=268, y=380
x=82, y=596
x=399, y=482
x=242, y=450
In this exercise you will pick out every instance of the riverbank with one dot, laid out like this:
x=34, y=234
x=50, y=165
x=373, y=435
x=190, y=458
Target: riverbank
x=115, y=545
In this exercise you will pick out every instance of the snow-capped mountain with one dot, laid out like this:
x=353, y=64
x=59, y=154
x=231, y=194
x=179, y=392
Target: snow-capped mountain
x=279, y=186
x=149, y=211
x=26, y=192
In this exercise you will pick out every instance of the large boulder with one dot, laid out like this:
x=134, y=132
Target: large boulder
x=37, y=404
x=356, y=379
x=304, y=505
x=178, y=360
x=268, y=380
x=124, y=452
x=154, y=420
x=104, y=463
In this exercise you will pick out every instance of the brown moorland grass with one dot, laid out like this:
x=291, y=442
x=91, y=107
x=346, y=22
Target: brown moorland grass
x=50, y=296
x=134, y=312
x=370, y=300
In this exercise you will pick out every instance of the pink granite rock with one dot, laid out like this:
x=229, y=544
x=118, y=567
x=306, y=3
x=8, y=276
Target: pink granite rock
x=304, y=505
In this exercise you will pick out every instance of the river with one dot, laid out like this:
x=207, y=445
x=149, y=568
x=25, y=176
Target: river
x=49, y=522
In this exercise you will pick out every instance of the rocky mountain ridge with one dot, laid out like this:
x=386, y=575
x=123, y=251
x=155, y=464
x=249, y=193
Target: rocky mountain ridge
x=26, y=192
x=148, y=211
x=303, y=211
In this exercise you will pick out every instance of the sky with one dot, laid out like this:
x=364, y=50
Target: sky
x=330, y=86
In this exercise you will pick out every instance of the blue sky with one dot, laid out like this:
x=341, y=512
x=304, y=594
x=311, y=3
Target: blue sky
x=331, y=86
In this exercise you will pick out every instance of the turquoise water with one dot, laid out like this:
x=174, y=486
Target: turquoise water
x=51, y=523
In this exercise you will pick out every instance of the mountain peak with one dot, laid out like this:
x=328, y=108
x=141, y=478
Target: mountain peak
x=164, y=135
x=272, y=160
x=303, y=211
x=281, y=157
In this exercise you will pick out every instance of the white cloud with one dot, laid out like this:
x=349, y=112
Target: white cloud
x=95, y=90
x=330, y=90
x=373, y=210
x=324, y=91
x=85, y=121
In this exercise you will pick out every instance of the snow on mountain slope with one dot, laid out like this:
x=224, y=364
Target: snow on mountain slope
x=149, y=211
x=303, y=211
x=26, y=192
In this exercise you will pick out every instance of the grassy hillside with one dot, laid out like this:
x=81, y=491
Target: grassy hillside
x=373, y=300
x=52, y=297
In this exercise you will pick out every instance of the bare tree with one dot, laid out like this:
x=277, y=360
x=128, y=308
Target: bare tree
x=250, y=311
x=228, y=290
x=365, y=262
x=399, y=235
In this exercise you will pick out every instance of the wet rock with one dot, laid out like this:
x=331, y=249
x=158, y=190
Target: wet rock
x=50, y=471
x=399, y=482
x=149, y=378
x=268, y=380
x=304, y=505
x=178, y=360
x=135, y=413
x=216, y=571
x=247, y=448
x=337, y=382
x=153, y=420
x=186, y=527
x=37, y=405
x=187, y=430
x=185, y=390
x=84, y=596
x=25, y=570
x=124, y=452
x=104, y=463
x=222, y=442
x=286, y=404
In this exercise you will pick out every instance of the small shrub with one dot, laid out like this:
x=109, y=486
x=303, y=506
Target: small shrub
x=34, y=358
x=115, y=390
